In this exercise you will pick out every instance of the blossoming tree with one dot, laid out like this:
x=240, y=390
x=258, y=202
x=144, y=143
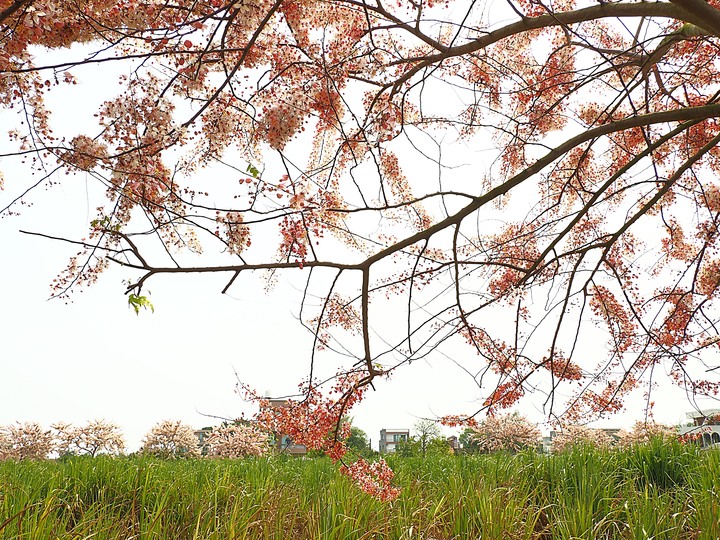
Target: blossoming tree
x=93, y=438
x=579, y=435
x=645, y=432
x=28, y=440
x=515, y=179
x=238, y=440
x=171, y=439
x=509, y=432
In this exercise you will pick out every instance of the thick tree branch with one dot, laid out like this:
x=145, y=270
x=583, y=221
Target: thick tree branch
x=12, y=8
x=601, y=11
x=704, y=15
x=686, y=114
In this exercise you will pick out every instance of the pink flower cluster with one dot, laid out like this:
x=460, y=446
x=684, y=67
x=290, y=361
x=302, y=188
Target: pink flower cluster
x=373, y=478
x=280, y=123
x=316, y=422
x=237, y=235
x=85, y=153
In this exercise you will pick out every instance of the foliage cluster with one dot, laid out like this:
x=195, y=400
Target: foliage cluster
x=426, y=439
x=659, y=490
x=414, y=447
x=358, y=442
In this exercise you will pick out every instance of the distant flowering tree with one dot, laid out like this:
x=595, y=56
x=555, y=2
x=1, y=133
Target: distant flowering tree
x=95, y=437
x=25, y=441
x=510, y=432
x=644, y=432
x=577, y=435
x=4, y=445
x=237, y=440
x=171, y=439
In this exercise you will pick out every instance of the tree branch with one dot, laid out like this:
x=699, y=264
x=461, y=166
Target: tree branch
x=703, y=14
x=8, y=12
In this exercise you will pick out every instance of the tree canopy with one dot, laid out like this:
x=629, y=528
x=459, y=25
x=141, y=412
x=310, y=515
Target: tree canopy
x=518, y=177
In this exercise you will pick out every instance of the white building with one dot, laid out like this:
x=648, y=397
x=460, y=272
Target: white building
x=389, y=438
x=705, y=427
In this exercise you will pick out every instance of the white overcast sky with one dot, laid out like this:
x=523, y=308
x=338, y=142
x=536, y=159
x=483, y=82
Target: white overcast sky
x=94, y=358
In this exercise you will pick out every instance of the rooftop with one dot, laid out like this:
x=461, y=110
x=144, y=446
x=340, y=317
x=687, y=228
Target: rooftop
x=704, y=413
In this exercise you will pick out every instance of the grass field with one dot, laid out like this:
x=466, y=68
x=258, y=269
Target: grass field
x=659, y=491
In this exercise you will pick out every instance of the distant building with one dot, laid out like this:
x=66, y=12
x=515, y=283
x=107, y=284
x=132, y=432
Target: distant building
x=547, y=440
x=280, y=441
x=613, y=433
x=202, y=435
x=389, y=438
x=705, y=427
x=285, y=445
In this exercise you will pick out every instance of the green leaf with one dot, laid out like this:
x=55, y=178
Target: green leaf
x=253, y=171
x=105, y=223
x=136, y=302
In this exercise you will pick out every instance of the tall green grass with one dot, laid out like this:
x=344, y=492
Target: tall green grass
x=659, y=491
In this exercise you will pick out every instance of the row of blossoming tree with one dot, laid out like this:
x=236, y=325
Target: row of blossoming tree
x=173, y=439
x=517, y=181
x=167, y=439
x=513, y=433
